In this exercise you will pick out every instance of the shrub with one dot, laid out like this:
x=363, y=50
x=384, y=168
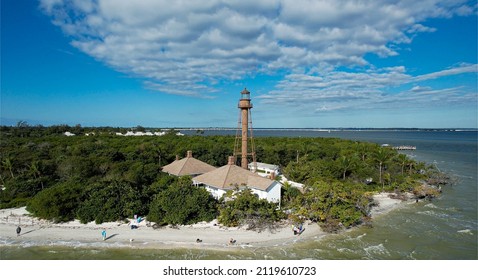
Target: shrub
x=182, y=203
x=333, y=203
x=108, y=202
x=57, y=203
x=247, y=209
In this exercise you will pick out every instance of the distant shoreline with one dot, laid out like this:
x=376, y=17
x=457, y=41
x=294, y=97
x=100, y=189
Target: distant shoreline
x=211, y=128
x=335, y=129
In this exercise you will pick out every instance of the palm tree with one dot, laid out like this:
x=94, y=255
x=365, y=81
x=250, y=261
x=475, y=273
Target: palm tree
x=410, y=163
x=345, y=164
x=403, y=160
x=382, y=156
x=362, y=150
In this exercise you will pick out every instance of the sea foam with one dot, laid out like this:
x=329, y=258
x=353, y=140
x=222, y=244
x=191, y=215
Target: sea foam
x=375, y=250
x=467, y=231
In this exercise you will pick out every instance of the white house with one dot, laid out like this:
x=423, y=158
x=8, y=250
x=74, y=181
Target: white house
x=147, y=133
x=264, y=169
x=231, y=176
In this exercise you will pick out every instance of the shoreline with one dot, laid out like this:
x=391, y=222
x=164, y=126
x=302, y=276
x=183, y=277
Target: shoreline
x=36, y=232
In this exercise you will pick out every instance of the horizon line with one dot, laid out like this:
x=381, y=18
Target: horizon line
x=257, y=128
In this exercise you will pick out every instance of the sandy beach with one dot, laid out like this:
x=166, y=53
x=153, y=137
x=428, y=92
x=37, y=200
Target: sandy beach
x=37, y=232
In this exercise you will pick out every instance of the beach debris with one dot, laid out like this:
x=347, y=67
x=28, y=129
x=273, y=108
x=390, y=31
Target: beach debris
x=198, y=240
x=156, y=226
x=467, y=231
x=232, y=241
x=400, y=196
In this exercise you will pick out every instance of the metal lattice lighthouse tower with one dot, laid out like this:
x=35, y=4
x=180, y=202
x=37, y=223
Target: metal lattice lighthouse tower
x=245, y=127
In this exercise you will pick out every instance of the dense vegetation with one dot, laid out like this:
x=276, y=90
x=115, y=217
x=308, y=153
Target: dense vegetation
x=182, y=204
x=245, y=208
x=103, y=177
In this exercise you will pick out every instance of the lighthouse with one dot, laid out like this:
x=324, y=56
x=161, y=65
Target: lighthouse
x=245, y=128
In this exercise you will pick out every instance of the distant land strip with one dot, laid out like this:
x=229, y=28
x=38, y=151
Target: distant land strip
x=330, y=129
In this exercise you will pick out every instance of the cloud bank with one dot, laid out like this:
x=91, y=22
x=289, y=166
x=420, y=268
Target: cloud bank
x=386, y=88
x=192, y=48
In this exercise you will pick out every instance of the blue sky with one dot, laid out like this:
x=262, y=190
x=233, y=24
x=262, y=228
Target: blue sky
x=183, y=63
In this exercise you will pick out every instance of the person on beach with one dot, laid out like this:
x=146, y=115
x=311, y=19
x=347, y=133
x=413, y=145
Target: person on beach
x=232, y=241
x=19, y=229
x=297, y=230
x=103, y=233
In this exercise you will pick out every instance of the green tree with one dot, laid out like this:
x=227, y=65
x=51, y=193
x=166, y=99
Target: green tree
x=35, y=170
x=109, y=202
x=362, y=150
x=382, y=156
x=288, y=194
x=410, y=164
x=58, y=203
x=182, y=203
x=345, y=163
x=8, y=165
x=245, y=208
x=402, y=160
x=333, y=205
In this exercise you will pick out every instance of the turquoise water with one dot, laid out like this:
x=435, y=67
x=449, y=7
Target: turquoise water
x=445, y=228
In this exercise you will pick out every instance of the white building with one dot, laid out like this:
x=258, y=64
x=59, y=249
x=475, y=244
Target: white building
x=147, y=133
x=264, y=169
x=231, y=176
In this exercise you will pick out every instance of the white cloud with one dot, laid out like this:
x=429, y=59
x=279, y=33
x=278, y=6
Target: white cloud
x=185, y=47
x=466, y=68
x=376, y=88
x=420, y=89
x=420, y=28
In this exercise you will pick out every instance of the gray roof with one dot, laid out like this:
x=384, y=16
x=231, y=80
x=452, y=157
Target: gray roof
x=229, y=176
x=187, y=166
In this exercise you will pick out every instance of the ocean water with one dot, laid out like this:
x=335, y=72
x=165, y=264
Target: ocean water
x=445, y=228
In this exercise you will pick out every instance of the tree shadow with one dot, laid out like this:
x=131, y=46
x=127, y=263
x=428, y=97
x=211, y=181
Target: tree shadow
x=111, y=236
